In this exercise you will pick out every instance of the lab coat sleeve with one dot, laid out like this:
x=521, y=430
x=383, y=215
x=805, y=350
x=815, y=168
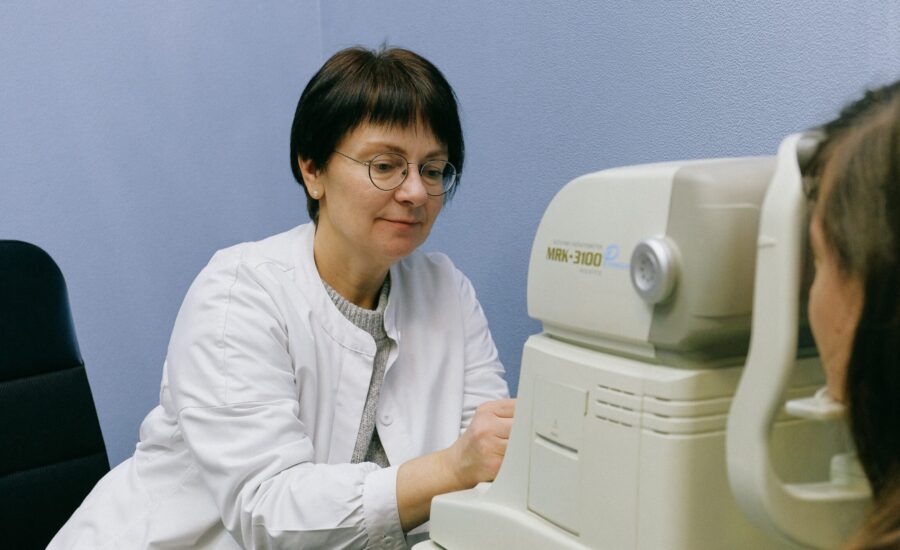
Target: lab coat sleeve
x=232, y=382
x=484, y=375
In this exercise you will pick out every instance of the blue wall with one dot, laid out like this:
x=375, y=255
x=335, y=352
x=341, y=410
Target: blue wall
x=135, y=139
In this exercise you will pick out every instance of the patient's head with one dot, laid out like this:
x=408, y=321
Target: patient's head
x=854, y=304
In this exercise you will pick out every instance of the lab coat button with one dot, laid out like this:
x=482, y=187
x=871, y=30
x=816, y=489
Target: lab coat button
x=386, y=419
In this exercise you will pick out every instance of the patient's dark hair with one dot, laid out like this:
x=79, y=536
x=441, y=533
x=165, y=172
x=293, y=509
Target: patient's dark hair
x=858, y=167
x=390, y=86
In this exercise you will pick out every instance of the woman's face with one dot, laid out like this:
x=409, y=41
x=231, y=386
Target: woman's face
x=835, y=306
x=360, y=225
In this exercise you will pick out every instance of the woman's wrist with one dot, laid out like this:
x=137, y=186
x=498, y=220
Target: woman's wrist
x=420, y=480
x=450, y=467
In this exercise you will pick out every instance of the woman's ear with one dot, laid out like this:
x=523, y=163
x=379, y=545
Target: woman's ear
x=310, y=174
x=308, y=170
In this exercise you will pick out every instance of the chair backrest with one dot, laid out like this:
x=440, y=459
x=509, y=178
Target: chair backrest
x=51, y=448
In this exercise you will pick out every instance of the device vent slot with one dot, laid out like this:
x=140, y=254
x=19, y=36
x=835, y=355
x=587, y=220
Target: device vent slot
x=611, y=421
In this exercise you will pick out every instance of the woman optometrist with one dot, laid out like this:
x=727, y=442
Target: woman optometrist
x=322, y=385
x=854, y=302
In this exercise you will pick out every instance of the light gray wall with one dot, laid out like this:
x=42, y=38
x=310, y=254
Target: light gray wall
x=135, y=139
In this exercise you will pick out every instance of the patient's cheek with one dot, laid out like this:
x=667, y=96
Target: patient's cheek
x=835, y=305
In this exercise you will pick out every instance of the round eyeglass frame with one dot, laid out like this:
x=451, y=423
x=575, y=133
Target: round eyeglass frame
x=368, y=164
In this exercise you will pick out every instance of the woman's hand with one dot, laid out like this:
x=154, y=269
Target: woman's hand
x=474, y=457
x=477, y=454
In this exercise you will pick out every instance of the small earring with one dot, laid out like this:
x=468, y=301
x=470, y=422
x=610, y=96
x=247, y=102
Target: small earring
x=314, y=193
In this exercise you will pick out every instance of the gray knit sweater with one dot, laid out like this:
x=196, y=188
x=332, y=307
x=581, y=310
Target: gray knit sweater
x=368, y=445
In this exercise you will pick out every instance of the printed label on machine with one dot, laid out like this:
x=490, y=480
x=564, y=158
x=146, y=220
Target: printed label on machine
x=590, y=258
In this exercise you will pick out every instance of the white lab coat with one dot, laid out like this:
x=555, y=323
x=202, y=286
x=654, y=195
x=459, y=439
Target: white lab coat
x=261, y=399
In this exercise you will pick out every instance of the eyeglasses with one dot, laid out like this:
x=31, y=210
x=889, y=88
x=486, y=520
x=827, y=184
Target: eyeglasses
x=388, y=171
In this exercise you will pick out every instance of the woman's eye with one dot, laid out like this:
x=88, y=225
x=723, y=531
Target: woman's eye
x=434, y=174
x=383, y=167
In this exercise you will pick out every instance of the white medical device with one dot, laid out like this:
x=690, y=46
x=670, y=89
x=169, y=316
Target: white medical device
x=637, y=425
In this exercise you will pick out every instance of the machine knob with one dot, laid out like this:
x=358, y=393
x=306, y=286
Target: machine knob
x=654, y=269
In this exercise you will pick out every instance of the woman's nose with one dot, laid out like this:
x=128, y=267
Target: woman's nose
x=412, y=190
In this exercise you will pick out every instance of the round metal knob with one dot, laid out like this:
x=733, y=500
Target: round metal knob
x=654, y=269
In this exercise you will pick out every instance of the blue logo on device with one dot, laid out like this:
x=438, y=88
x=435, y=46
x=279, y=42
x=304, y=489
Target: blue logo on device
x=611, y=255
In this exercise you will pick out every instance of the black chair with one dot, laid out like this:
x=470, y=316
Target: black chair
x=51, y=449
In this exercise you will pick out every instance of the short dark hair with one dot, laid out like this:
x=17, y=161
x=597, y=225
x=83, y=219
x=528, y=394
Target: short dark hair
x=859, y=165
x=389, y=86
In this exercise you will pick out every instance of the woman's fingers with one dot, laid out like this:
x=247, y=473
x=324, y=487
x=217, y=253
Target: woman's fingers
x=484, y=443
x=503, y=408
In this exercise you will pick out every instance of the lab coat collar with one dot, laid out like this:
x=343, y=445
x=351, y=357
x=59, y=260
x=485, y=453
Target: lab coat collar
x=335, y=324
x=324, y=311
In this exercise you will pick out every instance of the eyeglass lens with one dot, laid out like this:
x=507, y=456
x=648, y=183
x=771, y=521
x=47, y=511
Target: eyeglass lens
x=389, y=170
